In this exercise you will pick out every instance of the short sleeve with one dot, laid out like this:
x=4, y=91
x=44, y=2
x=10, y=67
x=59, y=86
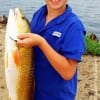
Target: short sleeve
x=73, y=45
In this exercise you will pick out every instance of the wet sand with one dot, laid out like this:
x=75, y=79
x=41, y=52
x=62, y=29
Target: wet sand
x=88, y=70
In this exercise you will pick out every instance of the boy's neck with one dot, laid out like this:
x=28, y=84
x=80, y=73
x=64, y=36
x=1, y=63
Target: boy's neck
x=54, y=13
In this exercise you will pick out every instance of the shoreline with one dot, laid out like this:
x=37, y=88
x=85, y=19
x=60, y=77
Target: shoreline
x=88, y=70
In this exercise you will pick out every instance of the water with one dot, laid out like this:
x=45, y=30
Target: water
x=88, y=10
x=29, y=7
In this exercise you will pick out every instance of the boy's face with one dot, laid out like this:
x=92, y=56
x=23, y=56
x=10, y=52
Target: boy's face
x=56, y=4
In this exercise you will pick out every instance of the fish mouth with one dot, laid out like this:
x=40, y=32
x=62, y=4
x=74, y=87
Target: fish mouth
x=14, y=12
x=12, y=21
x=11, y=12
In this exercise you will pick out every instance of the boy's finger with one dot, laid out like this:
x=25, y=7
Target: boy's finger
x=22, y=36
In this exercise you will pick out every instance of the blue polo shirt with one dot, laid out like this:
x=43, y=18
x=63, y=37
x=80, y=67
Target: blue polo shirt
x=65, y=34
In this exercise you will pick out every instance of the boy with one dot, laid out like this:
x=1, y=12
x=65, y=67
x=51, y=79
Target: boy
x=58, y=41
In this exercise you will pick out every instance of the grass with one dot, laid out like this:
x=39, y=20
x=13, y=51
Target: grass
x=92, y=46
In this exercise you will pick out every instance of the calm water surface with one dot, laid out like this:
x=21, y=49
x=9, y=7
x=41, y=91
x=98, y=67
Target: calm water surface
x=88, y=10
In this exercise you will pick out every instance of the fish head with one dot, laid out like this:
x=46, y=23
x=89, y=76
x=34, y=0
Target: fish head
x=21, y=21
x=17, y=24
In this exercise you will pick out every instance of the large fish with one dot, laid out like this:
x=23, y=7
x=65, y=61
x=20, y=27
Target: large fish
x=18, y=60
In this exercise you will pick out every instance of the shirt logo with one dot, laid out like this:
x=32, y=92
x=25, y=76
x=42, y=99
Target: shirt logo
x=57, y=34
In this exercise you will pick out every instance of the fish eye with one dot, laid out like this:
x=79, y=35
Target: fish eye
x=23, y=17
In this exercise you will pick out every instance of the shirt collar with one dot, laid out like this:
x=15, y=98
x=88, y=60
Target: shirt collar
x=61, y=17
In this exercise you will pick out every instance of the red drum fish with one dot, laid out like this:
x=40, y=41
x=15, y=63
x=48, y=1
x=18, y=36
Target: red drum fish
x=18, y=60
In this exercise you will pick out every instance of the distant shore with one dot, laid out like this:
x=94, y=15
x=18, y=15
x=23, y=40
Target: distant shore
x=88, y=69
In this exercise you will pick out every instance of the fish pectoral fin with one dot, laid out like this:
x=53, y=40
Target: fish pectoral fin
x=16, y=57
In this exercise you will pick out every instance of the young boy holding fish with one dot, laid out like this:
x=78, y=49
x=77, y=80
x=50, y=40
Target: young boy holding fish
x=58, y=40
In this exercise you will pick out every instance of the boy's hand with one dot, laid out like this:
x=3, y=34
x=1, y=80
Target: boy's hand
x=29, y=40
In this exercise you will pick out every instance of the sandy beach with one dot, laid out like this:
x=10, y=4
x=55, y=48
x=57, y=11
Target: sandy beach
x=3, y=89
x=88, y=70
